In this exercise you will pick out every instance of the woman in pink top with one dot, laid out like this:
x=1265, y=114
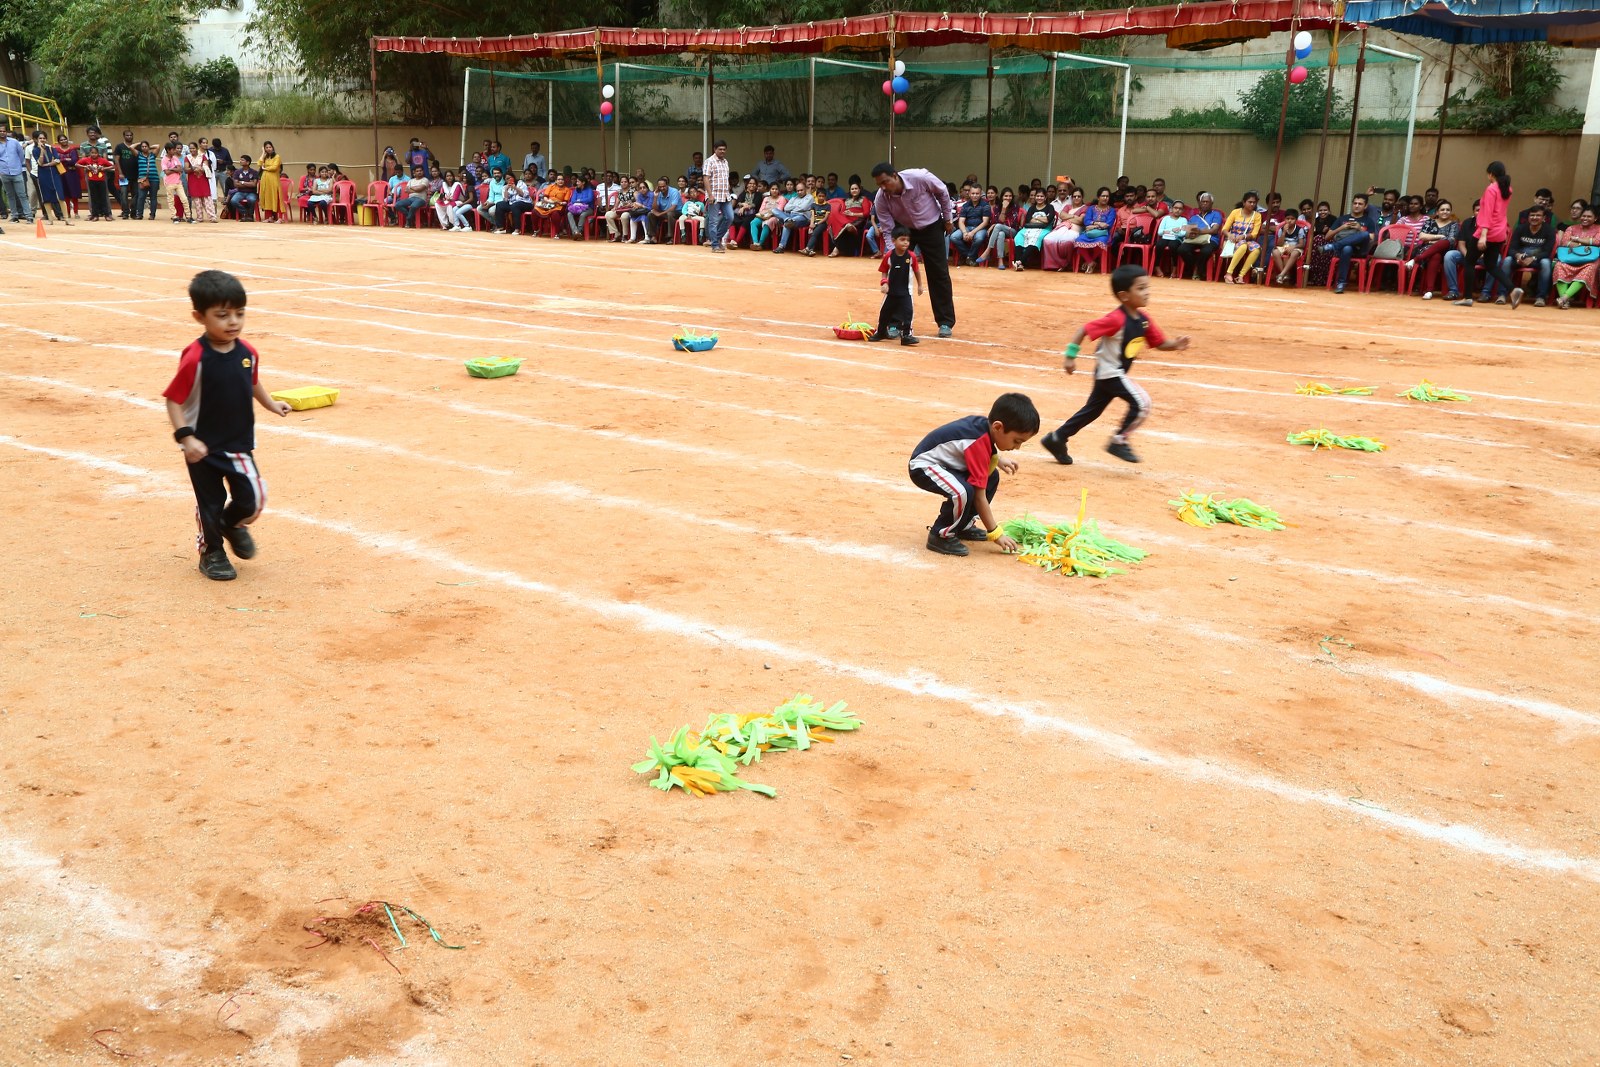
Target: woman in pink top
x=1489, y=240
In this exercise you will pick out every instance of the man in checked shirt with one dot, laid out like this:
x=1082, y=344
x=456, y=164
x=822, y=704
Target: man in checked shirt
x=719, y=199
x=918, y=200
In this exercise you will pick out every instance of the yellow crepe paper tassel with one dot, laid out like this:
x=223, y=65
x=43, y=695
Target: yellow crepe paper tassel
x=1324, y=438
x=1319, y=389
x=1429, y=393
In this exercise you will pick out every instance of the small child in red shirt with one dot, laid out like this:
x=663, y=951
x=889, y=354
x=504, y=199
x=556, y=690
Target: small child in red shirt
x=218, y=437
x=96, y=171
x=1123, y=334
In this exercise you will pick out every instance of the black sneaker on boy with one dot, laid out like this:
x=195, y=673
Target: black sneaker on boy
x=239, y=539
x=215, y=565
x=948, y=546
x=1056, y=447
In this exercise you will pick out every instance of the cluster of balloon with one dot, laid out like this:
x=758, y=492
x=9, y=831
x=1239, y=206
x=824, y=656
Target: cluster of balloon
x=606, y=106
x=897, y=87
x=1302, y=49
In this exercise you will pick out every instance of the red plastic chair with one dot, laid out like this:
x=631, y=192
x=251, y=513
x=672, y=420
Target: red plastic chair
x=1358, y=271
x=286, y=197
x=1133, y=245
x=344, y=199
x=1374, y=265
x=376, y=199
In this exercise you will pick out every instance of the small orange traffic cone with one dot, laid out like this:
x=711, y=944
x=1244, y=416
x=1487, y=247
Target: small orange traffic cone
x=38, y=225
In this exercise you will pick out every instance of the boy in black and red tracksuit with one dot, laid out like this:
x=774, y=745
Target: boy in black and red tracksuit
x=961, y=461
x=209, y=403
x=1123, y=335
x=899, y=265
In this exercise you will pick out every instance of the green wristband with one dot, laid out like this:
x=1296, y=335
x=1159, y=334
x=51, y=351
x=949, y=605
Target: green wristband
x=1072, y=350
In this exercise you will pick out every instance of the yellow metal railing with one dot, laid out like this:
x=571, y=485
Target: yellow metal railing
x=26, y=112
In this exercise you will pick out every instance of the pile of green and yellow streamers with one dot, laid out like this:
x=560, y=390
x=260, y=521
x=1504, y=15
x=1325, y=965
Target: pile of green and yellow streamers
x=1077, y=549
x=1202, y=509
x=1323, y=438
x=1429, y=393
x=708, y=762
x=1319, y=389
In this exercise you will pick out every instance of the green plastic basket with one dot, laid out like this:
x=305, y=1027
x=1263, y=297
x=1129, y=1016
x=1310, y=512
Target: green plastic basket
x=493, y=366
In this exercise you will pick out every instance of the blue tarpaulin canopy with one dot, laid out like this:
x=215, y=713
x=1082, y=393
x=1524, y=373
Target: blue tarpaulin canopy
x=1561, y=22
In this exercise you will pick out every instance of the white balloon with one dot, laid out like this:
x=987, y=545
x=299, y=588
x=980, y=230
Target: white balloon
x=899, y=69
x=608, y=91
x=1302, y=41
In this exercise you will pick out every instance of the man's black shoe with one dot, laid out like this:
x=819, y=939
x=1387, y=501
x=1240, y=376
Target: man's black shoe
x=239, y=539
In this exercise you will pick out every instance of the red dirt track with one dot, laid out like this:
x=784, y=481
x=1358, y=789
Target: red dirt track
x=1320, y=796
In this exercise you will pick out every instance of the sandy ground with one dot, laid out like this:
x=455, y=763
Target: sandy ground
x=1323, y=796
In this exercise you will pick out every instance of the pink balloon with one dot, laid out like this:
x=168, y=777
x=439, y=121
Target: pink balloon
x=605, y=107
x=888, y=88
x=899, y=107
x=1297, y=75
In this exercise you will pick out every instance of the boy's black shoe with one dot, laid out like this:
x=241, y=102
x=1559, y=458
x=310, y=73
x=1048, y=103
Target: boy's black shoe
x=239, y=539
x=215, y=565
x=1123, y=450
x=877, y=336
x=948, y=546
x=973, y=532
x=1056, y=447
x=907, y=339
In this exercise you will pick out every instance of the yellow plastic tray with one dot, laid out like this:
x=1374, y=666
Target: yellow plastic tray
x=307, y=397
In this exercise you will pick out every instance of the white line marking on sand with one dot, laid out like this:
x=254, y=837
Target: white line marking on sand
x=1462, y=837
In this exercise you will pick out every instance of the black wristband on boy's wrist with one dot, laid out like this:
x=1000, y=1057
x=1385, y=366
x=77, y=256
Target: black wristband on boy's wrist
x=181, y=432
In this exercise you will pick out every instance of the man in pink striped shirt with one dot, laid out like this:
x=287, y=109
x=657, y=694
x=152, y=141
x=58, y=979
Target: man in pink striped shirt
x=719, y=199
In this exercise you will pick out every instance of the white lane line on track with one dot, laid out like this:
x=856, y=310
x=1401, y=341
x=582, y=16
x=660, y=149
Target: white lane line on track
x=874, y=553
x=1121, y=748
x=518, y=483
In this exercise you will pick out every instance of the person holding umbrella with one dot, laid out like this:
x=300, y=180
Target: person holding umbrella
x=920, y=201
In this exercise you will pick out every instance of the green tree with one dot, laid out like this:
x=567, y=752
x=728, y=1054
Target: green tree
x=100, y=55
x=23, y=25
x=1262, y=103
x=1520, y=84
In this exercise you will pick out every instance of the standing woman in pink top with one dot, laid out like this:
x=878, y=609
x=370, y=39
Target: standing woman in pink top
x=1489, y=240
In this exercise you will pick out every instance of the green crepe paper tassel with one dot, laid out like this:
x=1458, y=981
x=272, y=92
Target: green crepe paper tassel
x=1322, y=438
x=1429, y=393
x=1201, y=509
x=1318, y=389
x=1077, y=549
x=705, y=763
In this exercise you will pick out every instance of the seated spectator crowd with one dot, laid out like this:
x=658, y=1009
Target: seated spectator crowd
x=1412, y=243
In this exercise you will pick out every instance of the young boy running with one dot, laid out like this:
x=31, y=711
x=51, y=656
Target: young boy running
x=897, y=268
x=961, y=461
x=218, y=437
x=1124, y=334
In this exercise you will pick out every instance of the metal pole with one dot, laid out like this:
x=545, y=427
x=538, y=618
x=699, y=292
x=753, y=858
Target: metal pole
x=811, y=119
x=494, y=105
x=599, y=88
x=1283, y=107
x=1327, y=102
x=466, y=87
x=1355, y=118
x=549, y=126
x=1050, y=127
x=891, y=99
x=377, y=153
x=705, y=120
x=711, y=93
x=1444, y=109
x=616, y=116
x=988, y=127
x=1122, y=143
